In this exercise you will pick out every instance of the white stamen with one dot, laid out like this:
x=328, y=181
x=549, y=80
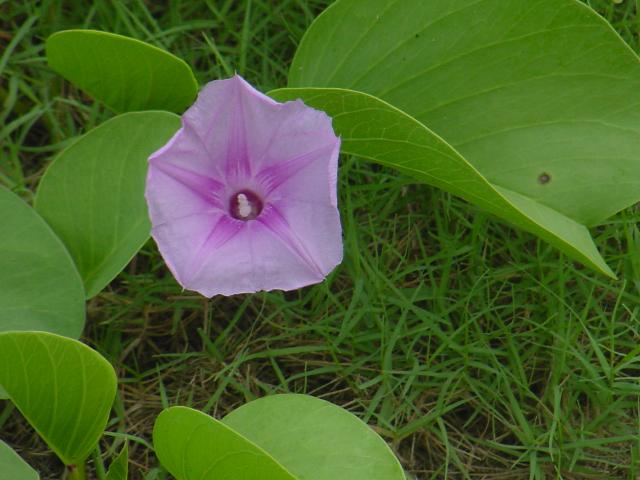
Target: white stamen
x=244, y=207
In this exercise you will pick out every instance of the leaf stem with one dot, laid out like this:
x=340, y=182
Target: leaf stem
x=76, y=472
x=97, y=461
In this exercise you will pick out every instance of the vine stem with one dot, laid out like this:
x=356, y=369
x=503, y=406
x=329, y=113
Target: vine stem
x=99, y=465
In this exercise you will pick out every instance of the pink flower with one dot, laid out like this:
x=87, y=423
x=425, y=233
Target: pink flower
x=243, y=197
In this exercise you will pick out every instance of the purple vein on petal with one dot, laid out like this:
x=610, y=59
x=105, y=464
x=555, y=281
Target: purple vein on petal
x=207, y=188
x=276, y=223
x=237, y=164
x=223, y=231
x=273, y=176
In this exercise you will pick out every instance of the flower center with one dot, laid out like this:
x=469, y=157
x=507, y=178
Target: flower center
x=245, y=205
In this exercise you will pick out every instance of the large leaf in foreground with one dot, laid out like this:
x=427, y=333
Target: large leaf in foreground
x=194, y=446
x=375, y=130
x=40, y=288
x=314, y=439
x=62, y=387
x=12, y=467
x=540, y=96
x=125, y=73
x=92, y=194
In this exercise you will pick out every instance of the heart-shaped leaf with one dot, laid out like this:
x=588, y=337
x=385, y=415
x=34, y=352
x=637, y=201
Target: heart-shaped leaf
x=92, y=195
x=40, y=288
x=125, y=73
x=288, y=437
x=194, y=446
x=540, y=97
x=314, y=439
x=12, y=467
x=61, y=386
x=119, y=468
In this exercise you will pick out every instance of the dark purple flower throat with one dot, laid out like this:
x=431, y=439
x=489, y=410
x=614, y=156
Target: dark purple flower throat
x=245, y=205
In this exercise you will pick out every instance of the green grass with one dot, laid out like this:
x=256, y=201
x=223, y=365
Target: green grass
x=476, y=350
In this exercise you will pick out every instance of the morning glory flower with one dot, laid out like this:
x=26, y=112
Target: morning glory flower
x=243, y=197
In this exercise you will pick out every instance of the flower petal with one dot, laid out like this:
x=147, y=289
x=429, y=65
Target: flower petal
x=295, y=223
x=186, y=150
x=219, y=120
x=297, y=130
x=173, y=194
x=235, y=139
x=304, y=177
x=260, y=257
x=244, y=130
x=207, y=188
x=186, y=244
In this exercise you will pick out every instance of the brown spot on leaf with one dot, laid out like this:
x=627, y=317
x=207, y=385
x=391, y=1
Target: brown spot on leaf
x=544, y=178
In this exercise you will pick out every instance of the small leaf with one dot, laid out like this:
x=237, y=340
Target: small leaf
x=13, y=467
x=119, y=468
x=92, y=195
x=539, y=97
x=314, y=439
x=125, y=73
x=194, y=446
x=62, y=387
x=40, y=288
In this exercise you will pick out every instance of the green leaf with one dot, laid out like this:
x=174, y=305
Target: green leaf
x=194, y=446
x=92, y=195
x=62, y=387
x=539, y=96
x=12, y=467
x=40, y=288
x=119, y=468
x=281, y=437
x=314, y=439
x=373, y=129
x=124, y=73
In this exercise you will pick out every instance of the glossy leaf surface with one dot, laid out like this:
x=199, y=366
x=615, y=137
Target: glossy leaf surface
x=540, y=96
x=62, y=387
x=315, y=439
x=40, y=288
x=92, y=195
x=125, y=73
x=194, y=446
x=13, y=467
